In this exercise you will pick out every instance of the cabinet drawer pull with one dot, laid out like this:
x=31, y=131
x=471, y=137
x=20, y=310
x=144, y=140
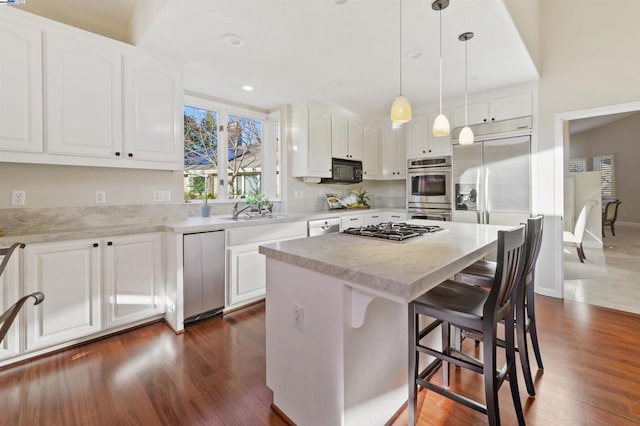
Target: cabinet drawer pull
x=110, y=243
x=354, y=218
x=130, y=155
x=117, y=154
x=95, y=244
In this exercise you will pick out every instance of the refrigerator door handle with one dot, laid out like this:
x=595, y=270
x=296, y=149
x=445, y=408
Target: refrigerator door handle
x=486, y=217
x=479, y=217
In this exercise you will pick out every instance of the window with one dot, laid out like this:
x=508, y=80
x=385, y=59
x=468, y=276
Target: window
x=606, y=165
x=249, y=152
x=577, y=165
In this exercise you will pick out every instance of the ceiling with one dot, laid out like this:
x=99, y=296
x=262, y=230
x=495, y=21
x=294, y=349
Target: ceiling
x=586, y=124
x=330, y=51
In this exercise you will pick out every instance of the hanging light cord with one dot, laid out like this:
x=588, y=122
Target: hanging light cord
x=466, y=82
x=400, y=50
x=440, y=60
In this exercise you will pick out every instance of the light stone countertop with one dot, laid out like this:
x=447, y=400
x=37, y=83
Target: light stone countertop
x=191, y=224
x=399, y=270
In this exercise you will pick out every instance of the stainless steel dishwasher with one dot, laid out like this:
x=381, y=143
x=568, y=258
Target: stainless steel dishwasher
x=323, y=226
x=203, y=288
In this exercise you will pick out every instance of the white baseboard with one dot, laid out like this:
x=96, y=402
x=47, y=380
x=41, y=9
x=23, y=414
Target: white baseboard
x=629, y=224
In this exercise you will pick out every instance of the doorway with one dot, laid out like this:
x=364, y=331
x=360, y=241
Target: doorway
x=608, y=275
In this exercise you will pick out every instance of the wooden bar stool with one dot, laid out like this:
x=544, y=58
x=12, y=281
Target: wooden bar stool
x=471, y=308
x=482, y=272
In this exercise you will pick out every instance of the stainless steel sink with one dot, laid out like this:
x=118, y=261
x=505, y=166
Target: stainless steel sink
x=249, y=218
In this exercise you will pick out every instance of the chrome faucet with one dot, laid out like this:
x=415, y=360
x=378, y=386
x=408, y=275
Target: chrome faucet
x=236, y=212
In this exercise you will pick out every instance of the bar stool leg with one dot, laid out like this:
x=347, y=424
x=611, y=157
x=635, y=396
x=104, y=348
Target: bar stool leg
x=446, y=342
x=533, y=332
x=413, y=364
x=513, y=379
x=489, y=372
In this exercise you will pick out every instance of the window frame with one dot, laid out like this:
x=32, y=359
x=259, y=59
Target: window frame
x=268, y=155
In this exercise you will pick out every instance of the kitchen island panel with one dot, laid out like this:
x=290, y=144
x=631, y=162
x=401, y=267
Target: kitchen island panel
x=330, y=373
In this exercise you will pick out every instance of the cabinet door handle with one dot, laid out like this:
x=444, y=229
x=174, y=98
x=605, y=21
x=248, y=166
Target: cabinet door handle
x=485, y=120
x=354, y=218
x=117, y=154
x=110, y=243
x=95, y=244
x=130, y=155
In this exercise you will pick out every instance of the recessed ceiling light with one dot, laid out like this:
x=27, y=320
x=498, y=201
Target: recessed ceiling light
x=414, y=54
x=338, y=83
x=247, y=88
x=232, y=40
x=340, y=1
x=473, y=77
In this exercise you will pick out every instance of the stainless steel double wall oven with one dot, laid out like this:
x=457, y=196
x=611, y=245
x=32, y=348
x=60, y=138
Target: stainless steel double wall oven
x=429, y=188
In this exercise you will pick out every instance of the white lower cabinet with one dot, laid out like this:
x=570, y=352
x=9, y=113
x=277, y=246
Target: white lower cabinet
x=133, y=279
x=246, y=268
x=397, y=216
x=9, y=290
x=91, y=286
x=247, y=272
x=351, y=221
x=68, y=273
x=375, y=218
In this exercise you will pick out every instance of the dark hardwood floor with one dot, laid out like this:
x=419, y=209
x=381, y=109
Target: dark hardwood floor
x=214, y=374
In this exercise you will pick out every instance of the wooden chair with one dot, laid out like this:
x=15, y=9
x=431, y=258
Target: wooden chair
x=575, y=237
x=609, y=216
x=7, y=318
x=481, y=274
x=470, y=308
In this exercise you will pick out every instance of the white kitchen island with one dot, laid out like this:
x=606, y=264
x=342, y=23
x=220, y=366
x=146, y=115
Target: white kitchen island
x=336, y=318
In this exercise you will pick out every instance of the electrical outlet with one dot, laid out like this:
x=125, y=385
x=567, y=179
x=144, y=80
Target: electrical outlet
x=18, y=198
x=101, y=197
x=298, y=317
x=160, y=196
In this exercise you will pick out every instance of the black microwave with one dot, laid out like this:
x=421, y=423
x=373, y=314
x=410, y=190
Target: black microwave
x=344, y=171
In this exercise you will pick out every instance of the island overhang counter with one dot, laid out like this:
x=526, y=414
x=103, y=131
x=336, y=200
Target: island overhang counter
x=336, y=317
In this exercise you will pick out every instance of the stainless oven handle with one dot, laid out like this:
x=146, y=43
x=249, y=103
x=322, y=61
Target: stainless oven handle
x=422, y=170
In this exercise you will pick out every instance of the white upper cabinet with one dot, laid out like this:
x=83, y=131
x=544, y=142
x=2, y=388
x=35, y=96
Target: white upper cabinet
x=370, y=153
x=503, y=108
x=311, y=142
x=153, y=111
x=420, y=139
x=393, y=154
x=101, y=103
x=20, y=87
x=339, y=137
x=84, y=97
x=355, y=140
x=346, y=138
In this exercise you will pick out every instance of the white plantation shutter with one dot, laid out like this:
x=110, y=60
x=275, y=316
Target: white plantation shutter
x=577, y=165
x=606, y=165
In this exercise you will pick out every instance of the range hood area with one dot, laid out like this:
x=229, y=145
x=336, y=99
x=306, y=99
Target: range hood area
x=497, y=127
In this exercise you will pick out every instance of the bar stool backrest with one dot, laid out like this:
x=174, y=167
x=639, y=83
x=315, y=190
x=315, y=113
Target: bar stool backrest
x=533, y=244
x=509, y=268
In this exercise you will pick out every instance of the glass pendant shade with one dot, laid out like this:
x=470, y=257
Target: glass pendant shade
x=400, y=110
x=466, y=136
x=441, y=126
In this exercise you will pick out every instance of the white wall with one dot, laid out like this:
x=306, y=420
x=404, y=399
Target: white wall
x=587, y=60
x=70, y=186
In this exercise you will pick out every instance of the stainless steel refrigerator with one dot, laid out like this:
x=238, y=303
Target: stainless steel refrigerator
x=492, y=181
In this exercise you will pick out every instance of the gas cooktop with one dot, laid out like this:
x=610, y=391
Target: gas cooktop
x=393, y=231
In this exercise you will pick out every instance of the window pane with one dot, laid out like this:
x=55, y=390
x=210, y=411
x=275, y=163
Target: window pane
x=244, y=156
x=607, y=172
x=200, y=152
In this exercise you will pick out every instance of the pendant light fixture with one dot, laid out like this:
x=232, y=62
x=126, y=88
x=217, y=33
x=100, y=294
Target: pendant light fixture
x=466, y=135
x=441, y=123
x=401, y=108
